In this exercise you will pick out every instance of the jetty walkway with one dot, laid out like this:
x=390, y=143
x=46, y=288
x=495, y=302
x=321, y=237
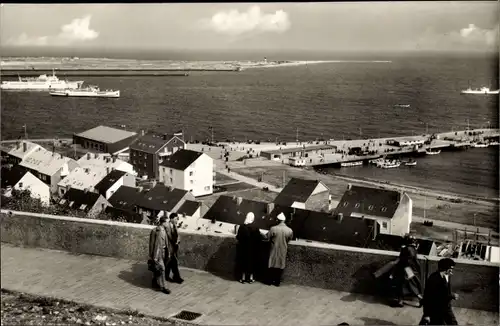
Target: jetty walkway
x=125, y=285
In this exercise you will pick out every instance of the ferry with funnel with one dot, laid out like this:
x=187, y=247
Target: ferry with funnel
x=89, y=91
x=40, y=83
x=480, y=91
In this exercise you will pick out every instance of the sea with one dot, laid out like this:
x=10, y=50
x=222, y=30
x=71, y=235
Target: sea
x=343, y=99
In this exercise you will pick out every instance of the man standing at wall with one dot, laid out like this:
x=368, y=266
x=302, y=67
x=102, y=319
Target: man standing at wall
x=438, y=296
x=158, y=251
x=173, y=239
x=279, y=236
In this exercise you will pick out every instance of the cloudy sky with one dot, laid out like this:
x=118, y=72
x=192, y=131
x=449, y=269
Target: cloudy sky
x=379, y=26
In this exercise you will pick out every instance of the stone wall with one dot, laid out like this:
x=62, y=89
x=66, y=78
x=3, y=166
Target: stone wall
x=311, y=264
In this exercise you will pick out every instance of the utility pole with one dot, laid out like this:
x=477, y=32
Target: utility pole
x=284, y=178
x=360, y=134
x=297, y=136
x=25, y=132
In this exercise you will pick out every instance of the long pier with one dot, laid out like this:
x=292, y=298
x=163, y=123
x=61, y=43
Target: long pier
x=335, y=152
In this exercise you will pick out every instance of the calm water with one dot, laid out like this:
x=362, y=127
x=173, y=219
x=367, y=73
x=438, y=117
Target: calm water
x=331, y=100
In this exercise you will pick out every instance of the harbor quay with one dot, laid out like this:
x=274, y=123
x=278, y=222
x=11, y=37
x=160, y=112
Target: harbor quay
x=335, y=152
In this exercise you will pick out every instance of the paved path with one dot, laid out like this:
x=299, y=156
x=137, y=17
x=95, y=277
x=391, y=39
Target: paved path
x=123, y=284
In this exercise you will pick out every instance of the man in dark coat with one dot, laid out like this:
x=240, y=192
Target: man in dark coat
x=249, y=238
x=407, y=271
x=438, y=296
x=158, y=252
x=279, y=236
x=173, y=240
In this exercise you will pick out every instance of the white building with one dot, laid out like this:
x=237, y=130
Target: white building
x=92, y=160
x=48, y=166
x=391, y=209
x=22, y=150
x=114, y=180
x=38, y=189
x=188, y=170
x=81, y=179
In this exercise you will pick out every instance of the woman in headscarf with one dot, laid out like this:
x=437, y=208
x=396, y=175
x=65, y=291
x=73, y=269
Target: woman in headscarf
x=248, y=237
x=407, y=271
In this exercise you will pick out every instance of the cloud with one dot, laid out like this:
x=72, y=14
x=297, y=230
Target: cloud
x=475, y=34
x=233, y=22
x=78, y=30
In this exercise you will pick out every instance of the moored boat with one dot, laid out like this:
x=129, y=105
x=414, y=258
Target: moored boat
x=90, y=91
x=432, y=152
x=40, y=83
x=349, y=164
x=479, y=145
x=411, y=163
x=480, y=91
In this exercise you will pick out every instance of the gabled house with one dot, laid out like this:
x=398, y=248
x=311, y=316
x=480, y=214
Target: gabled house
x=92, y=160
x=82, y=179
x=21, y=150
x=391, y=209
x=48, y=166
x=113, y=181
x=10, y=176
x=124, y=204
x=37, y=188
x=161, y=200
x=190, y=208
x=91, y=203
x=188, y=170
x=148, y=149
x=305, y=194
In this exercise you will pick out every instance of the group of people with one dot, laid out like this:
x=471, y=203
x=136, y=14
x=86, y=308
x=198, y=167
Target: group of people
x=163, y=248
x=405, y=272
x=437, y=297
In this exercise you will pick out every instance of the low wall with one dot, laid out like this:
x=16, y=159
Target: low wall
x=310, y=264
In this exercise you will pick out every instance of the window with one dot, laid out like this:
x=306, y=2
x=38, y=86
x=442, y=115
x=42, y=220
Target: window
x=384, y=225
x=62, y=202
x=191, y=181
x=370, y=207
x=191, y=173
x=171, y=180
x=170, y=171
x=345, y=204
x=384, y=209
x=207, y=188
x=357, y=205
x=63, y=191
x=20, y=184
x=83, y=206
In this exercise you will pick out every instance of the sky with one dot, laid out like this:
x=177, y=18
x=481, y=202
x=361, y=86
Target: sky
x=352, y=26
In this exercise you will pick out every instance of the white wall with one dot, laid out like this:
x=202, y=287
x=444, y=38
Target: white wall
x=37, y=187
x=177, y=177
x=202, y=176
x=126, y=180
x=400, y=223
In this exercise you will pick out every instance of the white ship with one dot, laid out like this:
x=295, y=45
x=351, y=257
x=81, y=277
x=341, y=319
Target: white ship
x=347, y=164
x=411, y=163
x=40, y=83
x=90, y=91
x=389, y=164
x=431, y=152
x=479, y=145
x=480, y=91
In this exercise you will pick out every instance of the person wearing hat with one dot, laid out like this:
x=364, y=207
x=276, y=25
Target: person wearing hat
x=158, y=251
x=249, y=239
x=279, y=236
x=173, y=240
x=407, y=271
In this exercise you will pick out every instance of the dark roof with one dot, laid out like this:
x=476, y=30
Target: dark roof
x=296, y=190
x=161, y=198
x=189, y=207
x=226, y=209
x=79, y=198
x=11, y=176
x=119, y=214
x=125, y=198
x=394, y=242
x=181, y=159
x=369, y=201
x=151, y=142
x=109, y=181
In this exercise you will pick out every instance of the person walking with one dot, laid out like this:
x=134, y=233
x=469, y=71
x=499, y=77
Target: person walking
x=407, y=271
x=158, y=251
x=438, y=296
x=173, y=240
x=279, y=236
x=249, y=238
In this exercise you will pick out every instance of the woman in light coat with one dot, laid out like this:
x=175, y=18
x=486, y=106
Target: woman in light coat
x=279, y=236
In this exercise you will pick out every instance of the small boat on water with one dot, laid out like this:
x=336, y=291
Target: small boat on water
x=402, y=105
x=349, y=164
x=89, y=91
x=432, y=152
x=479, y=145
x=389, y=164
x=494, y=143
x=480, y=91
x=411, y=163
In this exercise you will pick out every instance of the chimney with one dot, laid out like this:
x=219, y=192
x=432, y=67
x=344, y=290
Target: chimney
x=108, y=170
x=340, y=217
x=114, y=159
x=270, y=207
x=165, y=137
x=239, y=200
x=170, y=188
x=374, y=229
x=25, y=147
x=88, y=156
x=139, y=189
x=87, y=170
x=86, y=190
x=142, y=132
x=349, y=186
x=18, y=145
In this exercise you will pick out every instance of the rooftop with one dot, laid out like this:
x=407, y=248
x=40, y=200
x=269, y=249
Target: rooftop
x=93, y=159
x=127, y=215
x=106, y=134
x=299, y=190
x=125, y=198
x=161, y=198
x=189, y=207
x=108, y=181
x=152, y=142
x=369, y=201
x=9, y=177
x=181, y=159
x=82, y=178
x=45, y=162
x=79, y=199
x=20, y=152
